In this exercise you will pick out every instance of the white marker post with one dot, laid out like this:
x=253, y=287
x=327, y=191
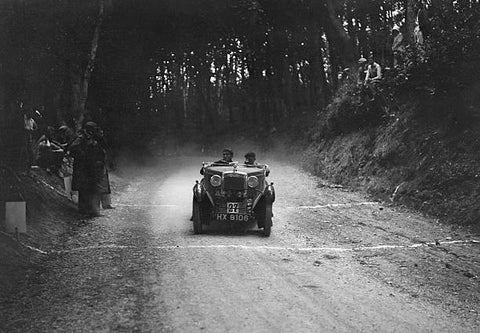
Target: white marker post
x=15, y=217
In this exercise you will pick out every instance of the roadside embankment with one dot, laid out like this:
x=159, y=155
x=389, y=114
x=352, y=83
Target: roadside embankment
x=50, y=215
x=429, y=167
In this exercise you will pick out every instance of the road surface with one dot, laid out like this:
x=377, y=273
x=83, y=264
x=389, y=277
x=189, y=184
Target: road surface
x=335, y=262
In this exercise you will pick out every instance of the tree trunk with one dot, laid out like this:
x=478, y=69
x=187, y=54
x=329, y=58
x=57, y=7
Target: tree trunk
x=409, y=21
x=83, y=85
x=337, y=35
x=317, y=71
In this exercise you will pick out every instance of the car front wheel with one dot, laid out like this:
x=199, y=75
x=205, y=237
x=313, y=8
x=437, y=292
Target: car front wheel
x=267, y=227
x=197, y=220
x=263, y=212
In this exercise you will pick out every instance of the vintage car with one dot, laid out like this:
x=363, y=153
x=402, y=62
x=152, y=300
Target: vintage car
x=233, y=192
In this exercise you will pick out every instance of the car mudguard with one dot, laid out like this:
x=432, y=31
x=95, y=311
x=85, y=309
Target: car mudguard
x=269, y=193
x=198, y=191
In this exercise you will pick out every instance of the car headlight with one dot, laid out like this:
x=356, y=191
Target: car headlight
x=216, y=180
x=252, y=181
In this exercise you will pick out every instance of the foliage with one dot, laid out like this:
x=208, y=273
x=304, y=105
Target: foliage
x=445, y=76
x=354, y=107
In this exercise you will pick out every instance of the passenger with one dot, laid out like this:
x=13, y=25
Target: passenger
x=250, y=158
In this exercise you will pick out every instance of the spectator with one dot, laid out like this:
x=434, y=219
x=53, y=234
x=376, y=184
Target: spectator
x=362, y=70
x=374, y=71
x=49, y=152
x=89, y=175
x=105, y=198
x=29, y=127
x=421, y=28
x=66, y=136
x=398, y=46
x=81, y=174
x=422, y=19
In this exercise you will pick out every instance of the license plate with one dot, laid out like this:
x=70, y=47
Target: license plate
x=233, y=207
x=231, y=217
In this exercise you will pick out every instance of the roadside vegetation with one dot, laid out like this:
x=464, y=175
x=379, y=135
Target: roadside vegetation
x=417, y=142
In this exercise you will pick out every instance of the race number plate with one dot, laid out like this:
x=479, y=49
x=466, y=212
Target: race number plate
x=233, y=207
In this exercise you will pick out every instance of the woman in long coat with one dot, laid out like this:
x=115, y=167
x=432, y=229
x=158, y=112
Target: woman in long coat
x=89, y=170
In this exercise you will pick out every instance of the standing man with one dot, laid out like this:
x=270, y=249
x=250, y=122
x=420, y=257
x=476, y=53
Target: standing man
x=362, y=70
x=82, y=177
x=104, y=181
x=29, y=126
x=398, y=46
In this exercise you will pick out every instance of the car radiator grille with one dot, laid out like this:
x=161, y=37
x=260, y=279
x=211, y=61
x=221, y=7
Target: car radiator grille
x=234, y=182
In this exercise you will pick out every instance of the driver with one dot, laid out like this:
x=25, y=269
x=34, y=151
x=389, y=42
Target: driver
x=227, y=154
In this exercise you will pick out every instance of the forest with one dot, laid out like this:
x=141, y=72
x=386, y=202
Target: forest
x=197, y=68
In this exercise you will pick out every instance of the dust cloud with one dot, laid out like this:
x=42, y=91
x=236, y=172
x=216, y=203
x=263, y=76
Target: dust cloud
x=128, y=161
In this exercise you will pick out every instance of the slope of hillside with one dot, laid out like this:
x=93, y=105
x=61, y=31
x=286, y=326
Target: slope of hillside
x=404, y=155
x=50, y=216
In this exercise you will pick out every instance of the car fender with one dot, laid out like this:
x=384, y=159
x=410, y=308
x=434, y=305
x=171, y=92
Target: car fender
x=198, y=191
x=269, y=193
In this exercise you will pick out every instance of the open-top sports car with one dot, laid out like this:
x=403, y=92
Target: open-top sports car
x=233, y=192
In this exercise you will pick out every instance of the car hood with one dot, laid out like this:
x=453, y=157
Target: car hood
x=248, y=170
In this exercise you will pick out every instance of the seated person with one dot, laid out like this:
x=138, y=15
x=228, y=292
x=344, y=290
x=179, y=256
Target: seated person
x=374, y=71
x=227, y=158
x=250, y=158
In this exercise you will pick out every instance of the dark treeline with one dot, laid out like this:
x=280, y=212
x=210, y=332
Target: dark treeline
x=189, y=69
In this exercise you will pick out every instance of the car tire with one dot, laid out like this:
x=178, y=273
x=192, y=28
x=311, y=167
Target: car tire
x=197, y=220
x=263, y=213
x=260, y=213
x=267, y=227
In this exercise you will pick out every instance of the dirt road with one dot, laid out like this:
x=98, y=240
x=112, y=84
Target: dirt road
x=335, y=262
